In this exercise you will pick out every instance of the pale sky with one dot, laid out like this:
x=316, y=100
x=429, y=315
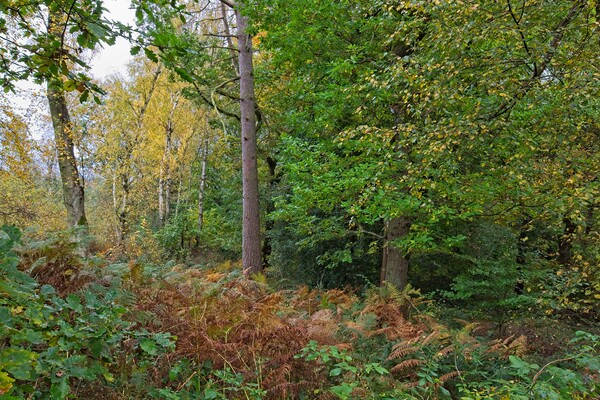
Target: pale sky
x=106, y=61
x=114, y=59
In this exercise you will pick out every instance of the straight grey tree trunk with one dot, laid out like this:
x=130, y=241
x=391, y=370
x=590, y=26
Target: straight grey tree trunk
x=251, y=251
x=165, y=179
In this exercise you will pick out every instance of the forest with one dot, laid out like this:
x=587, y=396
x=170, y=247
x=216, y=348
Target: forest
x=301, y=199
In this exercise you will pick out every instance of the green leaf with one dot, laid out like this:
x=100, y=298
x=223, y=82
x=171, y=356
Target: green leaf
x=47, y=290
x=210, y=393
x=149, y=346
x=343, y=391
x=96, y=30
x=108, y=376
x=19, y=363
x=84, y=96
x=61, y=389
x=151, y=55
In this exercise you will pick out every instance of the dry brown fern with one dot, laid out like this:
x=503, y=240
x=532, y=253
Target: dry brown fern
x=406, y=366
x=446, y=377
x=518, y=346
x=401, y=350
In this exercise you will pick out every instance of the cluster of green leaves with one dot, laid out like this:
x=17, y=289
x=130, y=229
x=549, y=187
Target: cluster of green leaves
x=206, y=383
x=447, y=113
x=33, y=50
x=573, y=376
x=472, y=371
x=346, y=374
x=49, y=343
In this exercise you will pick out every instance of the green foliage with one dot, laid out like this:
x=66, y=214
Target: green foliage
x=489, y=275
x=568, y=377
x=176, y=235
x=206, y=383
x=345, y=374
x=327, y=263
x=44, y=55
x=49, y=343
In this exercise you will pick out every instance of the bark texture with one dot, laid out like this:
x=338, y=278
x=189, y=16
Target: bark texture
x=251, y=250
x=394, y=267
x=72, y=188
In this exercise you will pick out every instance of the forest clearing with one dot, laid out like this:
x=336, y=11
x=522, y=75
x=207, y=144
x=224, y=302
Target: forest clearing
x=300, y=199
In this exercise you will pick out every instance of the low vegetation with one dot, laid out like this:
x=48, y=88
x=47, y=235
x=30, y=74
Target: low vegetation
x=301, y=199
x=173, y=332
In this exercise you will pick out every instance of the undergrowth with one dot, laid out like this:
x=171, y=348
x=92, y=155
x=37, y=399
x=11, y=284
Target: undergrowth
x=166, y=331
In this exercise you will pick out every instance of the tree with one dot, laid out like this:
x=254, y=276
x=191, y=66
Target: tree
x=49, y=56
x=251, y=249
x=206, y=90
x=73, y=192
x=413, y=118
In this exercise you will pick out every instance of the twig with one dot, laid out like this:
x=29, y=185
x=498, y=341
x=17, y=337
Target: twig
x=533, y=381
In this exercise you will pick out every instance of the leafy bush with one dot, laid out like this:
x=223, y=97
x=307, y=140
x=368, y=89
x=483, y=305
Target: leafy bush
x=49, y=343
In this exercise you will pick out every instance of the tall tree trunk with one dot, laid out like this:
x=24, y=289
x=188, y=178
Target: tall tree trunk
x=73, y=192
x=119, y=210
x=122, y=216
x=118, y=232
x=251, y=251
x=394, y=266
x=202, y=184
x=72, y=187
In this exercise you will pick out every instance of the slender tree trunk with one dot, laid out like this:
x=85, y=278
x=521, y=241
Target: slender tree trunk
x=125, y=161
x=164, y=180
x=202, y=183
x=228, y=37
x=73, y=192
x=120, y=208
x=267, y=248
x=122, y=213
x=394, y=266
x=251, y=251
x=521, y=254
x=115, y=209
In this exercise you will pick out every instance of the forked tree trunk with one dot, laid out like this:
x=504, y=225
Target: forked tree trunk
x=73, y=192
x=394, y=266
x=251, y=251
x=72, y=187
